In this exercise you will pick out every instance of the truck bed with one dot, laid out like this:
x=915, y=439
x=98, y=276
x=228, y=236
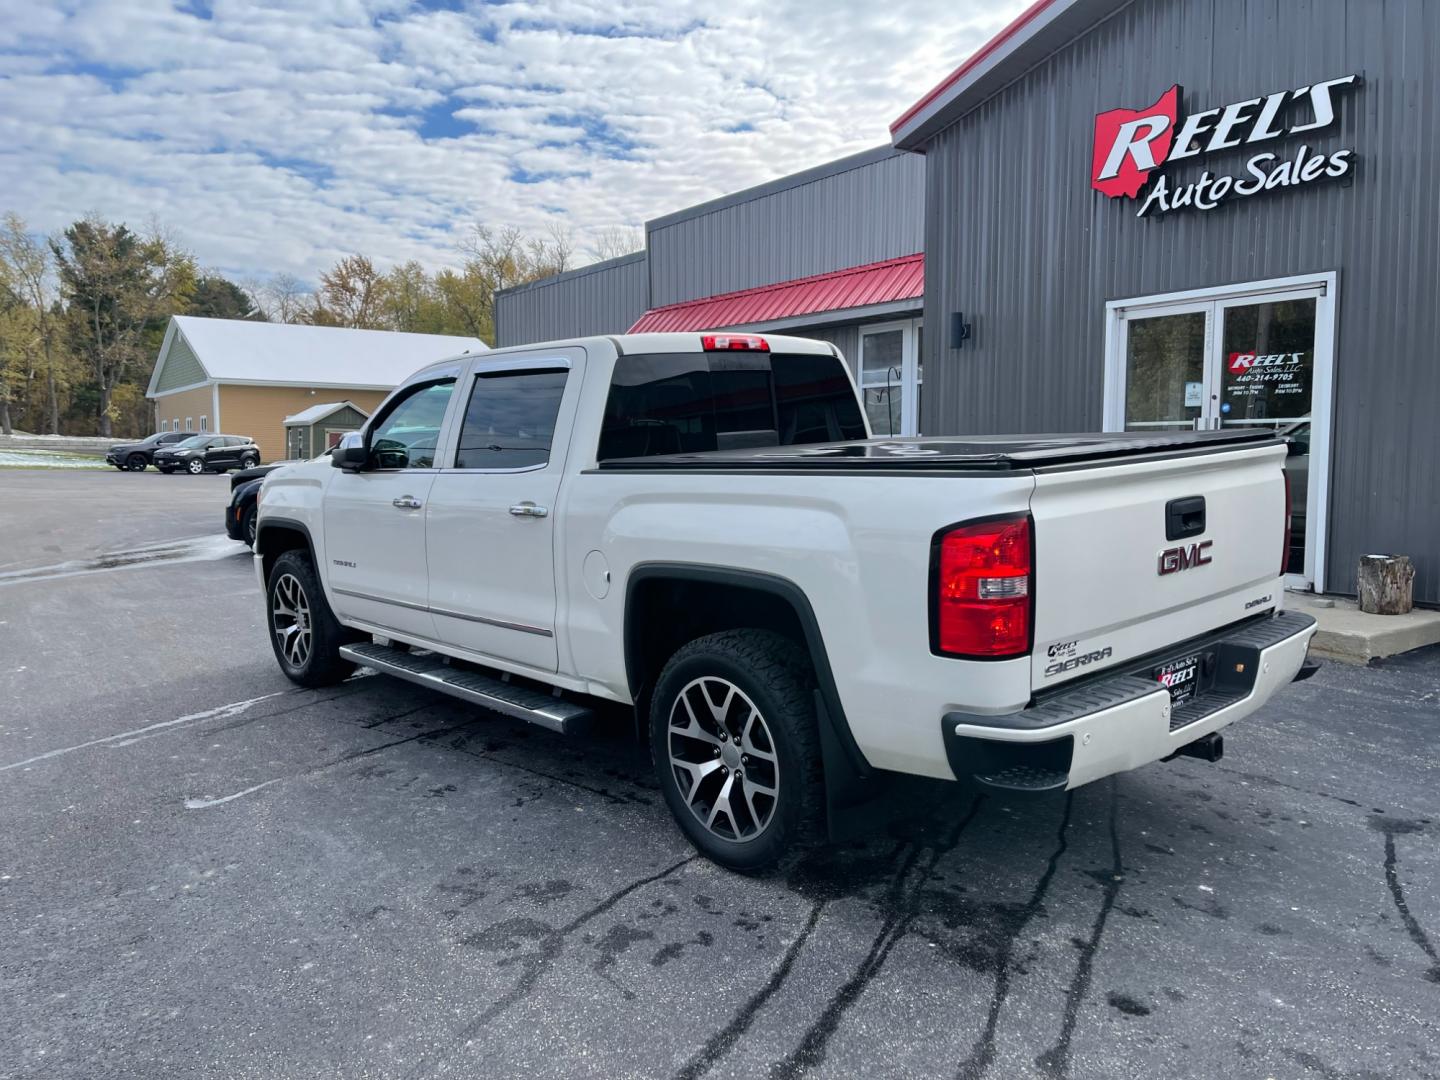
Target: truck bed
x=976, y=453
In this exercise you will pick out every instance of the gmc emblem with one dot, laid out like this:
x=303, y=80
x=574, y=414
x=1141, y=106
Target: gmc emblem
x=1173, y=560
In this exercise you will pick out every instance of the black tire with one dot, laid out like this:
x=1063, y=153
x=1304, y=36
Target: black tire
x=136, y=463
x=166, y=469
x=249, y=461
x=247, y=527
x=776, y=676
x=321, y=663
x=195, y=466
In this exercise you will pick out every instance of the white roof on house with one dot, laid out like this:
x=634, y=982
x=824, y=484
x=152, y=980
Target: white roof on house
x=316, y=413
x=237, y=351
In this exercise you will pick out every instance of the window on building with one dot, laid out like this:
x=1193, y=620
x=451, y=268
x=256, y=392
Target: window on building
x=694, y=402
x=204, y=423
x=164, y=426
x=189, y=424
x=175, y=424
x=510, y=420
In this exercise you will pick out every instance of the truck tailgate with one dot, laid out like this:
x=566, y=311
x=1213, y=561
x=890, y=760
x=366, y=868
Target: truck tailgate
x=1115, y=581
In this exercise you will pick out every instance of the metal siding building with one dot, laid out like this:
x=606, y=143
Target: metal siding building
x=751, y=255
x=603, y=298
x=1017, y=239
x=861, y=209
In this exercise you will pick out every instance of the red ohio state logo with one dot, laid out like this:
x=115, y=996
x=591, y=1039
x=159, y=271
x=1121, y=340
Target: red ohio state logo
x=1129, y=143
x=1132, y=144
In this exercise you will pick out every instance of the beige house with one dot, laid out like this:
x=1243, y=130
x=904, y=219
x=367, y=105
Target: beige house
x=245, y=378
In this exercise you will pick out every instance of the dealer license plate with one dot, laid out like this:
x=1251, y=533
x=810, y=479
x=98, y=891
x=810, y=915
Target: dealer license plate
x=1180, y=677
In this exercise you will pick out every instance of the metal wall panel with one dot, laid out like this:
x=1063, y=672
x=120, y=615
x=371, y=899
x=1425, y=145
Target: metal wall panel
x=859, y=210
x=1016, y=238
x=604, y=298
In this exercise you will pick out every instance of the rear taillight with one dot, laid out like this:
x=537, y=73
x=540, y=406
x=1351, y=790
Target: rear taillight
x=982, y=589
x=734, y=343
x=1285, y=548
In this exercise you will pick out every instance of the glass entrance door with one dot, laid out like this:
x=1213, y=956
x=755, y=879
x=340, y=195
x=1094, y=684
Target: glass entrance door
x=1253, y=358
x=1165, y=371
x=891, y=377
x=1267, y=377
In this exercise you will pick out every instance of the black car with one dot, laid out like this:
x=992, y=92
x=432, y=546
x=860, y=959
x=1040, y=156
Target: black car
x=209, y=453
x=135, y=456
x=240, y=514
x=256, y=472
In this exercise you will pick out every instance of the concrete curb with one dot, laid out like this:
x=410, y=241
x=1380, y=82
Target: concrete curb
x=1350, y=636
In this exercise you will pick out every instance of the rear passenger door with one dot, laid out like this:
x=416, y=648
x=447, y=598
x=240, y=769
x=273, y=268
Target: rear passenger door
x=222, y=453
x=490, y=536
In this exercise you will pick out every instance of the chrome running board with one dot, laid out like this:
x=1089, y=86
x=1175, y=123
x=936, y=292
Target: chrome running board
x=431, y=670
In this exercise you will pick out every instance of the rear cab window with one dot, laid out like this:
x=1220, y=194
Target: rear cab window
x=684, y=403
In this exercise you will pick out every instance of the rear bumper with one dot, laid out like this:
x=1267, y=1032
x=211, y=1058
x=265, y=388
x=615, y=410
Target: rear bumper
x=1126, y=720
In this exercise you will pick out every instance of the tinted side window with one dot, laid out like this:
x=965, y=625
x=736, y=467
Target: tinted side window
x=694, y=402
x=406, y=437
x=510, y=420
x=816, y=402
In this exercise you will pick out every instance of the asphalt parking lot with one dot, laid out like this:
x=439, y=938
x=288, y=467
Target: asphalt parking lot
x=207, y=872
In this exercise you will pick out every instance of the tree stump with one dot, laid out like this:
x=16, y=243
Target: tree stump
x=1386, y=584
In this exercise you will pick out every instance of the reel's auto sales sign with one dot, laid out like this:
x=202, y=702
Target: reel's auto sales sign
x=1131, y=144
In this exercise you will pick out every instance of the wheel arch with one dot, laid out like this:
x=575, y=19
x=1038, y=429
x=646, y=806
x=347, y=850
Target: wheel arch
x=276, y=535
x=689, y=600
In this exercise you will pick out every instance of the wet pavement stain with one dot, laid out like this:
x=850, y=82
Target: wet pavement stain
x=1391, y=828
x=1126, y=1004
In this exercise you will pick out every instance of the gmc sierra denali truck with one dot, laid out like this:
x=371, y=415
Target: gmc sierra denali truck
x=700, y=526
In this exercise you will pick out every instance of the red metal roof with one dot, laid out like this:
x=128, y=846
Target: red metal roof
x=980, y=54
x=854, y=287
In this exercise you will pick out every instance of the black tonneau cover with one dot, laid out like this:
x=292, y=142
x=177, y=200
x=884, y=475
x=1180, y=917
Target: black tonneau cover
x=998, y=453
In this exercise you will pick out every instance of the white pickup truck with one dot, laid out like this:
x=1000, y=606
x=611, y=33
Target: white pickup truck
x=700, y=526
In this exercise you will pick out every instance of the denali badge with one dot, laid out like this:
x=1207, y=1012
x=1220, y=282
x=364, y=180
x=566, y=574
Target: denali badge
x=1173, y=560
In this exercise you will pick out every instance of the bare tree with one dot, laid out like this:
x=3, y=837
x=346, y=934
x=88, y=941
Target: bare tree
x=283, y=298
x=616, y=240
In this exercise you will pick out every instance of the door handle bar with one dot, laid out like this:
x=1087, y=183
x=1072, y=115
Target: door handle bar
x=529, y=509
x=406, y=502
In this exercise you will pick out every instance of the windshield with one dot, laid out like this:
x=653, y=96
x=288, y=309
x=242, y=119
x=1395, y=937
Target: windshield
x=192, y=442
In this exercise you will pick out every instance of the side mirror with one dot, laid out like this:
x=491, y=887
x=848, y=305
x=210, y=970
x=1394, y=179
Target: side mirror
x=352, y=457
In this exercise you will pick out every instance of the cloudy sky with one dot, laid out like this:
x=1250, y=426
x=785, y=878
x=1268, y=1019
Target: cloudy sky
x=280, y=136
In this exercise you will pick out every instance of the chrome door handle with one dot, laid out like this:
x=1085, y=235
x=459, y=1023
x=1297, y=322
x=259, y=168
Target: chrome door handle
x=406, y=502
x=529, y=509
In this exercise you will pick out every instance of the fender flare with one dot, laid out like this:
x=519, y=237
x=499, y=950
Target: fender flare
x=843, y=758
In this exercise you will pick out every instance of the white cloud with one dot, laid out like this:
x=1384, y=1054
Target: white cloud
x=279, y=136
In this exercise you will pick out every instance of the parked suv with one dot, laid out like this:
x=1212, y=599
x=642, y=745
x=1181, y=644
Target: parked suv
x=209, y=453
x=135, y=456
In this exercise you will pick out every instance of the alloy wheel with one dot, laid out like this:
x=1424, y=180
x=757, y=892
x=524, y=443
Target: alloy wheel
x=723, y=759
x=290, y=619
x=196, y=467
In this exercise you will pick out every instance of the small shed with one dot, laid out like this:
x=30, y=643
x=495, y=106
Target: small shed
x=316, y=429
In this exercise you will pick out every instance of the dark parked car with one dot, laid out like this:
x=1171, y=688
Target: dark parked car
x=240, y=514
x=209, y=453
x=256, y=472
x=135, y=456
x=244, y=494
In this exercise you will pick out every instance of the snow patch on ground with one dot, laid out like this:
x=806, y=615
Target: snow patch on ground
x=49, y=459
